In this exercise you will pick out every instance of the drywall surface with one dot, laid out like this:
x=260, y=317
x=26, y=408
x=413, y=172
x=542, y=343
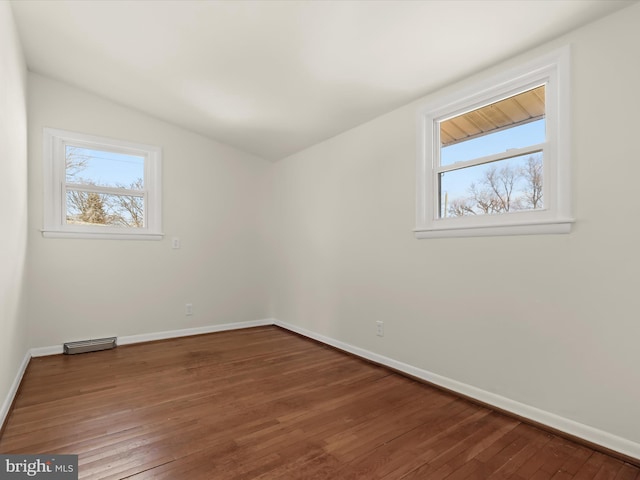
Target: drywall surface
x=549, y=321
x=13, y=204
x=212, y=196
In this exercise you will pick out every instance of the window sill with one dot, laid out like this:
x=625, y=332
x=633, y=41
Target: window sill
x=562, y=226
x=102, y=235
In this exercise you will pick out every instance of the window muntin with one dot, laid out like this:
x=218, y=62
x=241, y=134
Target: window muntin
x=100, y=188
x=458, y=145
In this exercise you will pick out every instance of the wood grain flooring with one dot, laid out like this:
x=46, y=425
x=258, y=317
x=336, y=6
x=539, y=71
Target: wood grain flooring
x=263, y=403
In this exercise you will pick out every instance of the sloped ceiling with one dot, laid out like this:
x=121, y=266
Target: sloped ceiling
x=275, y=77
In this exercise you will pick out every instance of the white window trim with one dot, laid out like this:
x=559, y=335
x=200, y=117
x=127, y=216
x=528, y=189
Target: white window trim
x=552, y=69
x=55, y=226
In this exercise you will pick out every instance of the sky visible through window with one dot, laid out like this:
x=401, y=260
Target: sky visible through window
x=104, y=168
x=458, y=181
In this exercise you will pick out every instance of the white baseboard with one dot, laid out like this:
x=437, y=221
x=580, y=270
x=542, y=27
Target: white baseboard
x=6, y=405
x=562, y=424
x=44, y=351
x=186, y=332
x=149, y=337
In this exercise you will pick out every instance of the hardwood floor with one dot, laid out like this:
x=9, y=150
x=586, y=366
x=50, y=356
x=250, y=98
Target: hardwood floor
x=263, y=403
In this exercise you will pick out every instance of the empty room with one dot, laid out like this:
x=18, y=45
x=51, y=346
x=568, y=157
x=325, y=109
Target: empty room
x=367, y=239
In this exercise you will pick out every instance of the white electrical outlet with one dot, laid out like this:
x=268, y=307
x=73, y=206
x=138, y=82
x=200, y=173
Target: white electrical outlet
x=188, y=309
x=175, y=242
x=380, y=328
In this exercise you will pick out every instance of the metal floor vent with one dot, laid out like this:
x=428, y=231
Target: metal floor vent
x=84, y=346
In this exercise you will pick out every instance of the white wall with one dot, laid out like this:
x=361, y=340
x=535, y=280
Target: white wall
x=13, y=204
x=548, y=321
x=212, y=198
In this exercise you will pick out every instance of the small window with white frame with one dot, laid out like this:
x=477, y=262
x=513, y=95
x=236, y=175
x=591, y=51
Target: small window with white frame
x=494, y=159
x=98, y=187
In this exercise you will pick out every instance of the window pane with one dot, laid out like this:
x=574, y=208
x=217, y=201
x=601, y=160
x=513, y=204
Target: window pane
x=96, y=167
x=90, y=208
x=514, y=122
x=505, y=186
x=517, y=137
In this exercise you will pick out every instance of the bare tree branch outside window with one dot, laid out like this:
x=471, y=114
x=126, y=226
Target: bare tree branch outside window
x=96, y=208
x=503, y=189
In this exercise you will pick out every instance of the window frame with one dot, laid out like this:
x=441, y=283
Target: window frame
x=552, y=70
x=55, y=187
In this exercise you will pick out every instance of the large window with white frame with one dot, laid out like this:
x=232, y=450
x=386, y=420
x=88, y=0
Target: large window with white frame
x=494, y=159
x=98, y=187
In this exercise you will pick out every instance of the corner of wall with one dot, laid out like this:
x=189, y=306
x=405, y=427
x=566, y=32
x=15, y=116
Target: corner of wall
x=13, y=209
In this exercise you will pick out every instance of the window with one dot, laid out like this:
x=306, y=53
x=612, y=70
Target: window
x=494, y=159
x=100, y=188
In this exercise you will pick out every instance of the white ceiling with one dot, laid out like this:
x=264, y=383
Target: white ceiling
x=274, y=77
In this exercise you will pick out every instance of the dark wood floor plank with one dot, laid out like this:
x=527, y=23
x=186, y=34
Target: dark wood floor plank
x=627, y=472
x=266, y=404
x=461, y=452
